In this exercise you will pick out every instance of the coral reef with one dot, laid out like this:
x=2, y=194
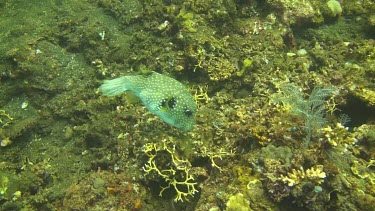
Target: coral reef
x=272, y=80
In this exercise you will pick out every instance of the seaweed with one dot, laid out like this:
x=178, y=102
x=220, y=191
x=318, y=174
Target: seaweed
x=312, y=110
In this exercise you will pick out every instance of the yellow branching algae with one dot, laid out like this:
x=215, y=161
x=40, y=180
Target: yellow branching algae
x=177, y=176
x=315, y=175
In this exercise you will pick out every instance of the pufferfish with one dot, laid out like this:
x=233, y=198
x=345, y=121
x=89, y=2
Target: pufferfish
x=164, y=96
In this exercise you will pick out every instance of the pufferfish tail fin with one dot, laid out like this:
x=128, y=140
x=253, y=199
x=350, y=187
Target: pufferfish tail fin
x=115, y=86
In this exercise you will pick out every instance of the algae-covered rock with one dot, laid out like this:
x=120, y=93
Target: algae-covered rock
x=296, y=11
x=283, y=153
x=334, y=6
x=366, y=95
x=238, y=203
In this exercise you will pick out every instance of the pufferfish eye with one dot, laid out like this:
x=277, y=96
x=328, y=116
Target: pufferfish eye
x=188, y=112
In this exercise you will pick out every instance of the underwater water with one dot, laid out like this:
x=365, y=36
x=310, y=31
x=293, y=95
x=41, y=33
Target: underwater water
x=283, y=105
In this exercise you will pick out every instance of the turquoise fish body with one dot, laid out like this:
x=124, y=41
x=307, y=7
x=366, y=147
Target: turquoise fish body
x=162, y=95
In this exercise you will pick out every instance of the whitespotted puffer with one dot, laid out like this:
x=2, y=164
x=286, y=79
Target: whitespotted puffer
x=162, y=95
